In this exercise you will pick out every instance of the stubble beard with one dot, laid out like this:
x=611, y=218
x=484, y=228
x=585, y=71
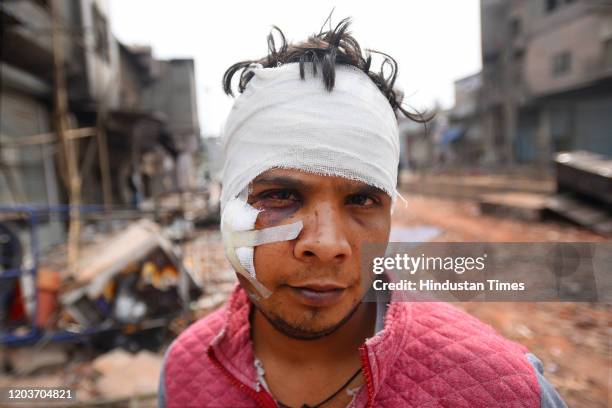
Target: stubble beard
x=298, y=332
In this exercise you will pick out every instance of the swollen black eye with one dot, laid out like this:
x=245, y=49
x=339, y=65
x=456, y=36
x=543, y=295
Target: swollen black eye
x=276, y=198
x=361, y=200
x=280, y=195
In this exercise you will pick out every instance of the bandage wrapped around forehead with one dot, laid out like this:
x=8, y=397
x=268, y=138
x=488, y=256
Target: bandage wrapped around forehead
x=282, y=121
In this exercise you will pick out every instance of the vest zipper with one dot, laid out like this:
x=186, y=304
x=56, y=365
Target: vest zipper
x=262, y=397
x=367, y=374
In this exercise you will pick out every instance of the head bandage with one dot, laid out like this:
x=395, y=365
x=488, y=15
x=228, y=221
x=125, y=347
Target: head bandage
x=282, y=121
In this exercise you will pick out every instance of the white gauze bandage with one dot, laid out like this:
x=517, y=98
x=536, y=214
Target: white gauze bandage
x=282, y=121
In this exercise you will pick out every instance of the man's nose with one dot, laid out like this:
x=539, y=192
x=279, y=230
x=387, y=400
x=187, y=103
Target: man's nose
x=324, y=236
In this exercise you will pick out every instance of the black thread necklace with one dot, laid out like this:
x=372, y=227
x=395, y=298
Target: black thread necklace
x=328, y=398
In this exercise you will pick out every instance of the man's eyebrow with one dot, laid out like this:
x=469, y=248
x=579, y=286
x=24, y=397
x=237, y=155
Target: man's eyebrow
x=280, y=180
x=366, y=189
x=290, y=182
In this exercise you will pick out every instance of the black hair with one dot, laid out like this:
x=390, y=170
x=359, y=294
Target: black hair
x=324, y=50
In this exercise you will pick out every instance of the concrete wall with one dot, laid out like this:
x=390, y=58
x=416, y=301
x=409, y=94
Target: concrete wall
x=31, y=168
x=493, y=33
x=529, y=111
x=583, y=38
x=102, y=73
x=131, y=84
x=22, y=115
x=174, y=94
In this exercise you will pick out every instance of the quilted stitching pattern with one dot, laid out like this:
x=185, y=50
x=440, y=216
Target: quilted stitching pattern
x=453, y=360
x=429, y=355
x=191, y=379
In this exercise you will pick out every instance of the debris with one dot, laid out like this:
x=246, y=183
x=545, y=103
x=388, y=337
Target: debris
x=79, y=307
x=135, y=275
x=586, y=173
x=22, y=363
x=109, y=258
x=580, y=211
x=49, y=282
x=585, y=322
x=128, y=307
x=211, y=302
x=584, y=190
x=524, y=206
x=524, y=331
x=143, y=370
x=46, y=380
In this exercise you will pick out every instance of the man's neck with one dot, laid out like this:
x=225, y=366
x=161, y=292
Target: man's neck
x=342, y=344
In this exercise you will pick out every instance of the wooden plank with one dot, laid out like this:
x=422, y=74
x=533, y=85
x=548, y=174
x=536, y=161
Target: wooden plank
x=68, y=145
x=71, y=134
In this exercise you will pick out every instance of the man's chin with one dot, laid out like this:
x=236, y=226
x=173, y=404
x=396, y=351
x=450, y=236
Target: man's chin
x=303, y=331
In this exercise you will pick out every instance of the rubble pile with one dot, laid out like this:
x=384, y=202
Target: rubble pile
x=133, y=277
x=127, y=281
x=96, y=381
x=111, y=317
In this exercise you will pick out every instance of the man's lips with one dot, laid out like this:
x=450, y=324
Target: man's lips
x=319, y=286
x=318, y=294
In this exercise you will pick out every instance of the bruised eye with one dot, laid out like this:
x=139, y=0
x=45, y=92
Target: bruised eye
x=362, y=200
x=277, y=198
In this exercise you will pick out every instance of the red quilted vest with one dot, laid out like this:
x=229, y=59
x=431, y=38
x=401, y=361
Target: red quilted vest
x=428, y=355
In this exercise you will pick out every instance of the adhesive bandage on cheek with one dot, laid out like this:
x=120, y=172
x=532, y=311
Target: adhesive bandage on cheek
x=239, y=239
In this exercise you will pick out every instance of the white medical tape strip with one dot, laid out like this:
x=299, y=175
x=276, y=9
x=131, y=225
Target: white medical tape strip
x=239, y=238
x=253, y=238
x=262, y=291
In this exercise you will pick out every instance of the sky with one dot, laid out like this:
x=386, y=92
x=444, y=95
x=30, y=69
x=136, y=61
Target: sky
x=435, y=42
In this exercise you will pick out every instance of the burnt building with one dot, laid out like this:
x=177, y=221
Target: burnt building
x=547, y=78
x=131, y=117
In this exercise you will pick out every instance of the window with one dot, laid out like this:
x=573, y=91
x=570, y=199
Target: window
x=561, y=63
x=100, y=33
x=515, y=26
x=551, y=5
x=43, y=3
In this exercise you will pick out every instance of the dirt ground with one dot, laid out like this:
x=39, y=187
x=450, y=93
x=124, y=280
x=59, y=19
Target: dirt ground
x=573, y=340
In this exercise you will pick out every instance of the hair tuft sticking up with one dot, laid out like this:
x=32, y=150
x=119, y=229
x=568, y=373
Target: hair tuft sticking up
x=324, y=51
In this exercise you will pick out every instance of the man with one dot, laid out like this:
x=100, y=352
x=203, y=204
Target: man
x=311, y=154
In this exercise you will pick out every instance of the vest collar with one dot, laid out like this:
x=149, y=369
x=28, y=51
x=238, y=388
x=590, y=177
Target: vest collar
x=233, y=346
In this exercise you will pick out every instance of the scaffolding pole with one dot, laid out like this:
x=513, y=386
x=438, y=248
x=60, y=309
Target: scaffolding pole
x=68, y=145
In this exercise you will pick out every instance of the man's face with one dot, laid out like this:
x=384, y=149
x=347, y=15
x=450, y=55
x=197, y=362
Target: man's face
x=316, y=279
